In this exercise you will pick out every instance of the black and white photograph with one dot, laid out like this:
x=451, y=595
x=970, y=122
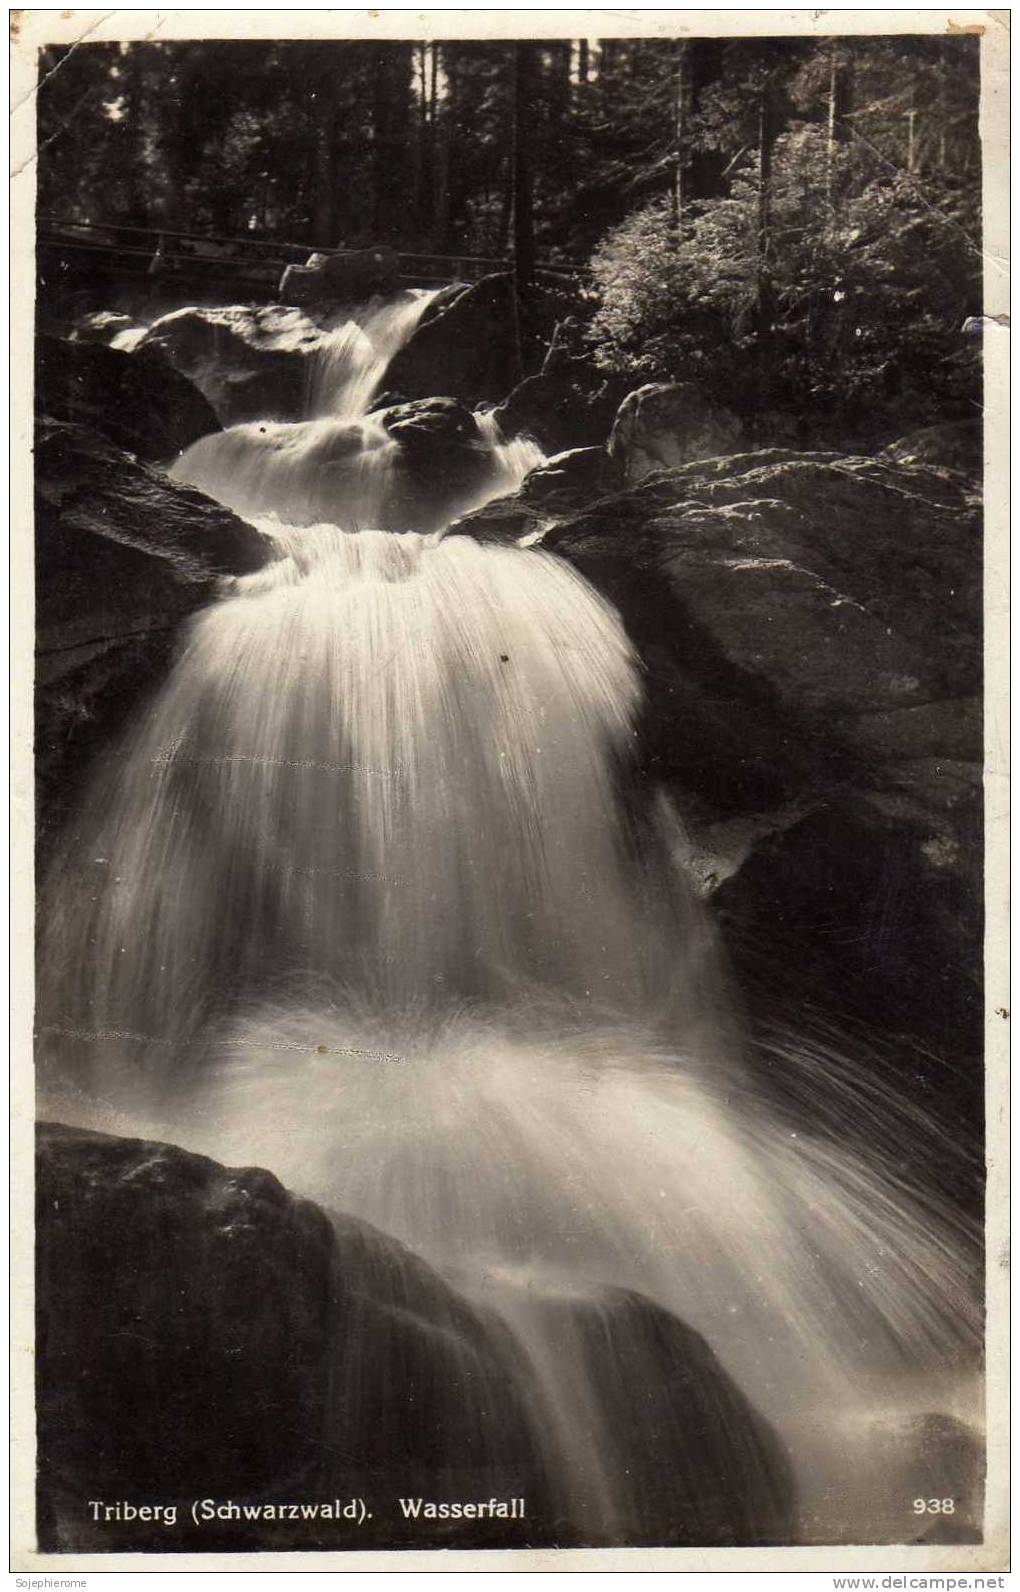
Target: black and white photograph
x=515, y=1055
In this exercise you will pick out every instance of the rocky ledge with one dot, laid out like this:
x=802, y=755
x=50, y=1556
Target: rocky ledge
x=203, y=1334
x=809, y=629
x=123, y=556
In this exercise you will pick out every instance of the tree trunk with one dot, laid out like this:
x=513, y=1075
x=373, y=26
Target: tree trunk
x=506, y=208
x=840, y=92
x=679, y=134
x=765, y=316
x=523, y=188
x=423, y=195
x=523, y=174
x=443, y=135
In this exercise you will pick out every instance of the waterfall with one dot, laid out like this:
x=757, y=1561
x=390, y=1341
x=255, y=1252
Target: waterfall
x=352, y=359
x=370, y=899
x=339, y=465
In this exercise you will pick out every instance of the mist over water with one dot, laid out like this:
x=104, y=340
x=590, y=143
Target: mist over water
x=371, y=899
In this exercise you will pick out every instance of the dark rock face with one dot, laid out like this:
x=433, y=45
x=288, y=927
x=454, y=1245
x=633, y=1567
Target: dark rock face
x=444, y=462
x=123, y=556
x=251, y=362
x=137, y=401
x=463, y=345
x=667, y=424
x=203, y=1334
x=809, y=626
x=422, y=424
x=183, y=1318
x=956, y=445
x=567, y=482
x=567, y=405
x=693, y=1462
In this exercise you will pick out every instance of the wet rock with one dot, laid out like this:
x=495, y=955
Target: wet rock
x=138, y=402
x=204, y=1334
x=251, y=362
x=464, y=345
x=694, y=1464
x=123, y=556
x=809, y=628
x=422, y=425
x=667, y=424
x=102, y=326
x=568, y=481
x=183, y=1316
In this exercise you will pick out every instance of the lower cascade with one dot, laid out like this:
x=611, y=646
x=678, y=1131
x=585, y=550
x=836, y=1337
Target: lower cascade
x=373, y=898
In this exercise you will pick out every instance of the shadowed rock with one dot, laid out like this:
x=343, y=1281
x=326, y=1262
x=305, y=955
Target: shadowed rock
x=810, y=630
x=123, y=556
x=327, y=280
x=464, y=345
x=203, y=1334
x=251, y=362
x=955, y=445
x=667, y=424
x=137, y=401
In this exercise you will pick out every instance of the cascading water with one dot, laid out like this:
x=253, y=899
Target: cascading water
x=352, y=360
x=340, y=465
x=364, y=902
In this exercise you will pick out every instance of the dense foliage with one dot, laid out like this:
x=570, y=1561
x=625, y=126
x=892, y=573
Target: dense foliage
x=795, y=223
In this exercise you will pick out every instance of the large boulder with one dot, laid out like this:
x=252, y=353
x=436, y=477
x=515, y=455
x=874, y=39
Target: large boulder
x=138, y=402
x=567, y=404
x=252, y=362
x=667, y=424
x=204, y=1334
x=465, y=344
x=686, y=1457
x=123, y=556
x=566, y=483
x=331, y=279
x=809, y=627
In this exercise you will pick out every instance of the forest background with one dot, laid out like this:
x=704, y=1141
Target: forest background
x=794, y=224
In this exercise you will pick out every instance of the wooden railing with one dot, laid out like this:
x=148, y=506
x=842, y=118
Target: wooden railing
x=150, y=251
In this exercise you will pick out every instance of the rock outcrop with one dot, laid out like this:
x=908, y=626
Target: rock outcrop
x=251, y=362
x=202, y=1334
x=123, y=556
x=809, y=627
x=464, y=345
x=955, y=445
x=569, y=403
x=141, y=404
x=664, y=425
